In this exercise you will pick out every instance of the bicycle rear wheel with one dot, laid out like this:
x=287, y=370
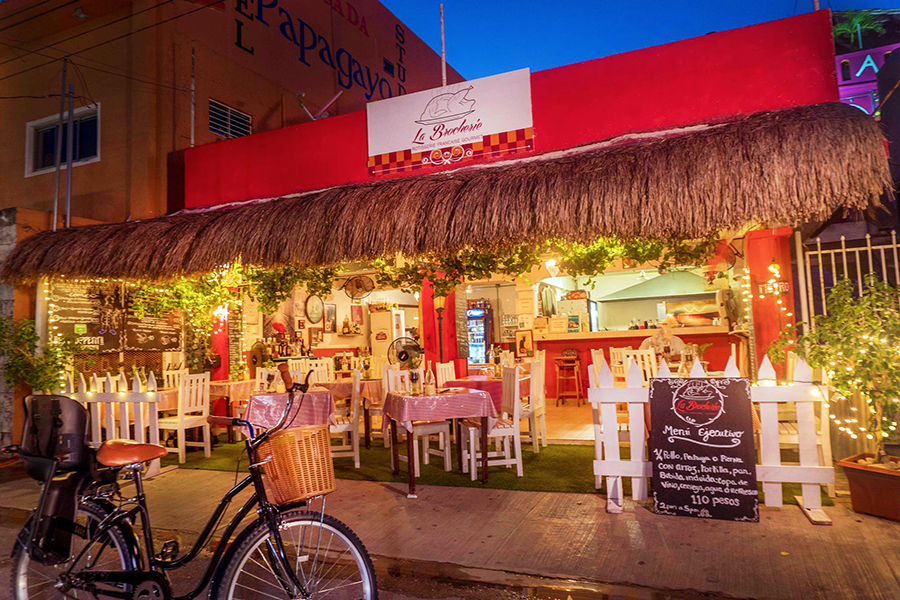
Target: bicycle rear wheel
x=111, y=552
x=329, y=560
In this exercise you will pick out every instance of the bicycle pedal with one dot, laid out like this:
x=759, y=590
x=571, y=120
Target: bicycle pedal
x=168, y=551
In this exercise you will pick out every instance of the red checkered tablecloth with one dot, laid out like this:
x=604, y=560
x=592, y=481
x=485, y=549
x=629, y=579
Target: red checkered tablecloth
x=452, y=405
x=265, y=410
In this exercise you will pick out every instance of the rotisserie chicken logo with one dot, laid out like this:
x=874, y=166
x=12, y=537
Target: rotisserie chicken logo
x=447, y=107
x=698, y=403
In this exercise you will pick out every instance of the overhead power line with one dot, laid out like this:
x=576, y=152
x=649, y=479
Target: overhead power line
x=78, y=35
x=115, y=39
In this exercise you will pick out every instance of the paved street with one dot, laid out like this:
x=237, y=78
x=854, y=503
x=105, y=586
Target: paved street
x=527, y=540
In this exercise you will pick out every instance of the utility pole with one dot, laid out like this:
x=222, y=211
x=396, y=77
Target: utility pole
x=444, y=50
x=62, y=112
x=69, y=144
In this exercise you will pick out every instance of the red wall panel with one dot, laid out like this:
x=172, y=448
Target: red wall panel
x=715, y=77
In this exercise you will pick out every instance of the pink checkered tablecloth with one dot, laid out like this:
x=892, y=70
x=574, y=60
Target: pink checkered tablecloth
x=237, y=391
x=457, y=404
x=492, y=386
x=371, y=390
x=265, y=410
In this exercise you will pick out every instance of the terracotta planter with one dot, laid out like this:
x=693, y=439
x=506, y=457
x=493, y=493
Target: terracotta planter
x=873, y=490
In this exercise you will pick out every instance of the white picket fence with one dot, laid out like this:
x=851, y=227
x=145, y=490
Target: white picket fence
x=815, y=468
x=116, y=411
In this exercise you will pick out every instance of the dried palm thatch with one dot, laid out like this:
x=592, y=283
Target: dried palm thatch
x=782, y=167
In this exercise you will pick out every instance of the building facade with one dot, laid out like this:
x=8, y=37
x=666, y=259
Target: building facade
x=153, y=78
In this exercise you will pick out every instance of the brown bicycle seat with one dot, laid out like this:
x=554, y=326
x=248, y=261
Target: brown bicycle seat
x=118, y=453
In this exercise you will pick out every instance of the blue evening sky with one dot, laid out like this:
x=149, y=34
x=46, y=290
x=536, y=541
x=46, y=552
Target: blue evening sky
x=487, y=37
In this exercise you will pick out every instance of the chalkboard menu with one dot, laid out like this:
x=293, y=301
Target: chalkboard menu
x=159, y=334
x=235, y=333
x=92, y=312
x=704, y=462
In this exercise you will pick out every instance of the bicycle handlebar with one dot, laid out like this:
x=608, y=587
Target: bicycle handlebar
x=226, y=421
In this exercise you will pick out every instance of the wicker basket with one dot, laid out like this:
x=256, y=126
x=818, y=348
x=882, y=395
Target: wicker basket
x=298, y=464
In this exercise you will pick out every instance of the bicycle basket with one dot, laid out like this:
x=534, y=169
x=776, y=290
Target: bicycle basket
x=297, y=464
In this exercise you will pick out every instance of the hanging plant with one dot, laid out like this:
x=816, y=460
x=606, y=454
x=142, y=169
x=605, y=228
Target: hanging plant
x=271, y=287
x=196, y=298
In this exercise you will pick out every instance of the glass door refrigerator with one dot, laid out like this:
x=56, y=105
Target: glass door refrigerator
x=480, y=334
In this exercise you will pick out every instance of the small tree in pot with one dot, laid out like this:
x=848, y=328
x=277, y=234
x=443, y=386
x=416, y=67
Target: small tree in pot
x=858, y=345
x=30, y=362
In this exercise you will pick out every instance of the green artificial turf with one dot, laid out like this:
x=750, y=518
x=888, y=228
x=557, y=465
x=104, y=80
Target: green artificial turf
x=557, y=468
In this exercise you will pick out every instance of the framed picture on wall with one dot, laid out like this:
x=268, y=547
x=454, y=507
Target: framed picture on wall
x=524, y=343
x=356, y=314
x=316, y=336
x=330, y=318
x=301, y=324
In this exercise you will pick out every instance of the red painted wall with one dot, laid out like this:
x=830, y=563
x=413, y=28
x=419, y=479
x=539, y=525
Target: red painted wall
x=768, y=318
x=773, y=65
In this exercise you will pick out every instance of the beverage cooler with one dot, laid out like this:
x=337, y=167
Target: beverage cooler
x=480, y=329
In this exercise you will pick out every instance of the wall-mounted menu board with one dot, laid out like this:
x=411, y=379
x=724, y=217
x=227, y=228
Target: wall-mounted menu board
x=96, y=314
x=704, y=461
x=149, y=334
x=92, y=312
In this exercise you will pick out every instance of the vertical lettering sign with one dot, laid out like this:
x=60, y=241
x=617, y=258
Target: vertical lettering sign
x=235, y=335
x=92, y=312
x=704, y=461
x=472, y=120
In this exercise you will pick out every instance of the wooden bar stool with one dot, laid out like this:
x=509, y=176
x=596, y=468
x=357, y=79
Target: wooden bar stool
x=568, y=368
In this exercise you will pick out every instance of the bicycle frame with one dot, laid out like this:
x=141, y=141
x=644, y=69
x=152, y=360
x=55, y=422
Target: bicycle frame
x=158, y=566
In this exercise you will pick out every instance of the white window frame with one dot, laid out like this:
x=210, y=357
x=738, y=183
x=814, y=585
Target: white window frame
x=232, y=109
x=32, y=127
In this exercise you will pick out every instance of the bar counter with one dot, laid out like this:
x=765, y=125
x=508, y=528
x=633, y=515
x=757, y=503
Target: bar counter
x=555, y=343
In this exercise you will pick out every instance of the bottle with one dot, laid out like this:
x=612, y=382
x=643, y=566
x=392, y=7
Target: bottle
x=430, y=387
x=414, y=388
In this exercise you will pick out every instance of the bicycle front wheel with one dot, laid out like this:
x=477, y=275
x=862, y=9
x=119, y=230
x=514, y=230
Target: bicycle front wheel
x=329, y=560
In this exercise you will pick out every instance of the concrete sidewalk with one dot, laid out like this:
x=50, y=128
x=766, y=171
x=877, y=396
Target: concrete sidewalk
x=571, y=536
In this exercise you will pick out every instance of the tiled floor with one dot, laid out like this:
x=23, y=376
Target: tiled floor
x=568, y=423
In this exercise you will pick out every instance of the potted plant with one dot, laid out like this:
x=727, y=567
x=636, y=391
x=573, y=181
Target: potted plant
x=856, y=344
x=28, y=361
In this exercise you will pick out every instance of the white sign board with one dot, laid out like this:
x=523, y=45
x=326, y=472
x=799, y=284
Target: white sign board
x=470, y=120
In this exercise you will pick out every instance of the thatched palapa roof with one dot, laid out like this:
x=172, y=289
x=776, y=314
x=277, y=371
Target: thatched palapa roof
x=782, y=167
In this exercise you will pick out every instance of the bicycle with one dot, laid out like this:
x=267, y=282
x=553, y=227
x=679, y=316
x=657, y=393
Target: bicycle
x=80, y=541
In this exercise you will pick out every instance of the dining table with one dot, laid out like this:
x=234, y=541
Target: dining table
x=372, y=397
x=315, y=407
x=235, y=392
x=492, y=386
x=402, y=408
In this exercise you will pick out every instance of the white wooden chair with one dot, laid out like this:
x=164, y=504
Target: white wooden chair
x=378, y=364
x=295, y=364
x=444, y=372
x=396, y=380
x=617, y=363
x=321, y=373
x=172, y=378
x=646, y=362
x=540, y=355
x=506, y=430
x=535, y=409
x=596, y=355
x=349, y=424
x=193, y=408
